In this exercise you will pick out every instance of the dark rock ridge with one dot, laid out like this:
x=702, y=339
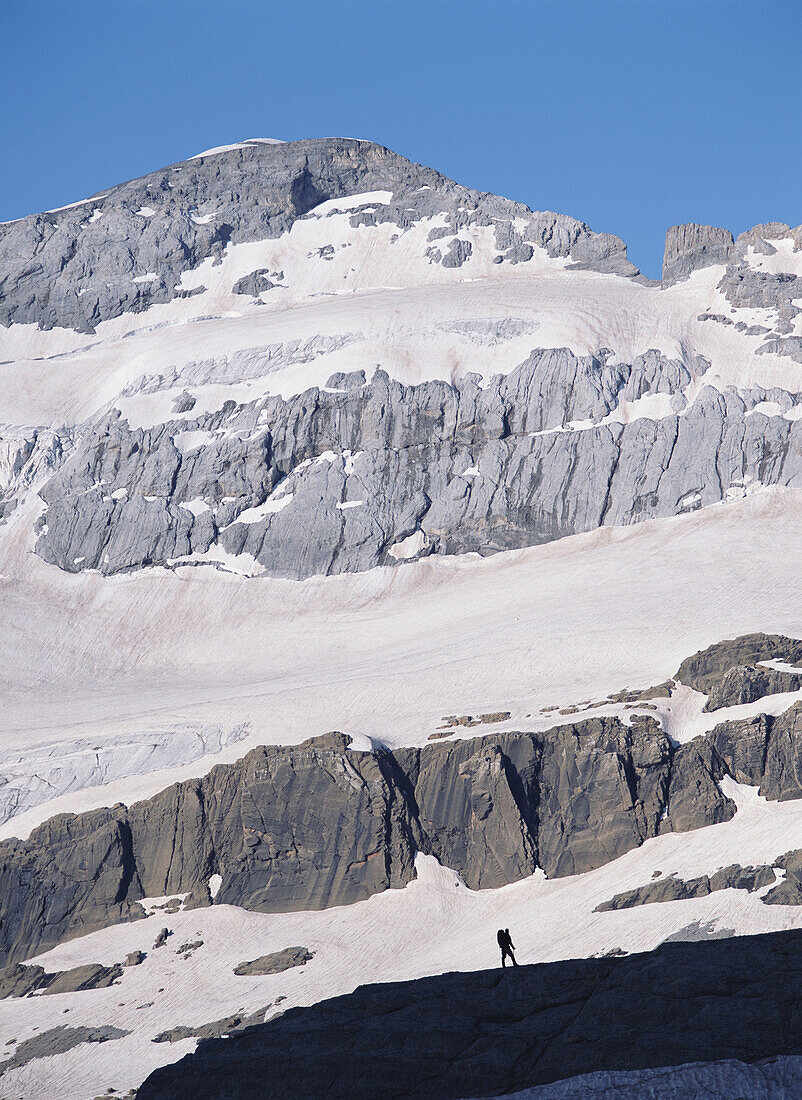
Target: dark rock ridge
x=707, y=670
x=765, y=751
x=495, y=1032
x=789, y=891
x=309, y=826
x=275, y=963
x=345, y=477
x=746, y=684
x=671, y=888
x=18, y=980
x=76, y=267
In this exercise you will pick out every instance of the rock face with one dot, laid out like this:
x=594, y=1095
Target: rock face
x=125, y=249
x=496, y=1032
x=707, y=670
x=19, y=981
x=670, y=888
x=314, y=825
x=330, y=482
x=75, y=874
x=765, y=750
x=367, y=471
x=275, y=963
x=689, y=247
x=745, y=684
x=789, y=891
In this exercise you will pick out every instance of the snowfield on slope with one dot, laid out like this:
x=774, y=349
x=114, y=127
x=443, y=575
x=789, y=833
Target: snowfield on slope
x=387, y=653
x=434, y=925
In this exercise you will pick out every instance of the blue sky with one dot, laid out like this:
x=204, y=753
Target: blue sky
x=629, y=114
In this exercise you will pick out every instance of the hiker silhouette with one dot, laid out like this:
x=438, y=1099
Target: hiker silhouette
x=507, y=946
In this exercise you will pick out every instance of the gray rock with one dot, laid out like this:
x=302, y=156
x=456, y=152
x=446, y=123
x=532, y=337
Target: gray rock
x=161, y=939
x=689, y=247
x=18, y=980
x=790, y=346
x=134, y=958
x=58, y=1040
x=185, y=402
x=748, y=287
x=74, y=874
x=707, y=670
x=789, y=891
x=217, y=1029
x=746, y=683
x=492, y=808
x=671, y=888
x=276, y=962
x=90, y=976
x=396, y=456
x=76, y=267
x=255, y=283
x=765, y=751
x=458, y=252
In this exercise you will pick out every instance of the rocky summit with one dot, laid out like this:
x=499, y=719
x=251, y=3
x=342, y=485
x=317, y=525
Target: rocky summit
x=384, y=564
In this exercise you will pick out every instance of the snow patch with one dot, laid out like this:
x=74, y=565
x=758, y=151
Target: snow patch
x=237, y=145
x=351, y=202
x=409, y=547
x=192, y=440
x=197, y=506
x=261, y=511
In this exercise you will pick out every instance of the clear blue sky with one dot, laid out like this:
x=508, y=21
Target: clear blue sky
x=629, y=114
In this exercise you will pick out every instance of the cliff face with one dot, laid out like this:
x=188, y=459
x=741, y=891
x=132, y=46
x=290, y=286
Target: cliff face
x=93, y=261
x=306, y=827
x=337, y=479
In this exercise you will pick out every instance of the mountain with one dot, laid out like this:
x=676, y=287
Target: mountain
x=381, y=562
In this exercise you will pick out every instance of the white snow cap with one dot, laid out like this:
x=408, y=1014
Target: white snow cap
x=237, y=145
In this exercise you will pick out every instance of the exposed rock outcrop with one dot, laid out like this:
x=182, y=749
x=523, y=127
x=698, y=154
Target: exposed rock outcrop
x=689, y=247
x=746, y=683
x=18, y=980
x=789, y=891
x=336, y=481
x=125, y=249
x=314, y=825
x=75, y=874
x=275, y=963
x=765, y=751
x=58, y=1040
x=672, y=888
x=707, y=670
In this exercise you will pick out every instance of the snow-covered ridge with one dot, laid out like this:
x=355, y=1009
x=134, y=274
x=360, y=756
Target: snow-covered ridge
x=237, y=145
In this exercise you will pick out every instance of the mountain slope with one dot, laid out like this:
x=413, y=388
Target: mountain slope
x=304, y=437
